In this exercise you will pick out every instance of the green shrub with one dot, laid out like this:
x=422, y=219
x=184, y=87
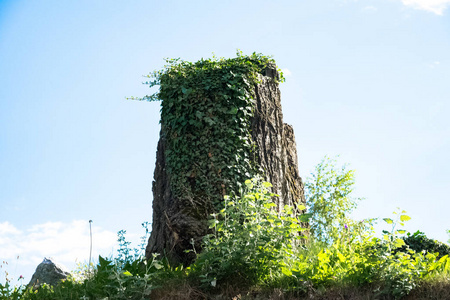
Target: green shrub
x=251, y=242
x=419, y=242
x=359, y=258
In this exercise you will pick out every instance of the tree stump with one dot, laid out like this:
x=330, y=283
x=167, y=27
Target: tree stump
x=180, y=214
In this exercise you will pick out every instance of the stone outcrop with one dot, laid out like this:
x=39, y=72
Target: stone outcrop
x=48, y=272
x=180, y=224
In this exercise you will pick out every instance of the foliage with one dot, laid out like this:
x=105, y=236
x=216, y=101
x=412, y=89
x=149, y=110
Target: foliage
x=419, y=242
x=251, y=242
x=10, y=292
x=10, y=289
x=206, y=110
x=107, y=282
x=253, y=247
x=359, y=258
x=127, y=276
x=125, y=255
x=329, y=201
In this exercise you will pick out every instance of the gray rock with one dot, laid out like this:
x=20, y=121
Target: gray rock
x=48, y=272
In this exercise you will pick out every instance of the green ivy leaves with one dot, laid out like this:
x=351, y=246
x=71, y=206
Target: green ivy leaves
x=206, y=113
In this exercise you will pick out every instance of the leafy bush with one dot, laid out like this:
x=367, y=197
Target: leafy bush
x=359, y=258
x=419, y=242
x=251, y=243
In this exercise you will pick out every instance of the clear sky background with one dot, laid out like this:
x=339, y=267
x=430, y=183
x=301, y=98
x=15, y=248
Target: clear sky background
x=368, y=80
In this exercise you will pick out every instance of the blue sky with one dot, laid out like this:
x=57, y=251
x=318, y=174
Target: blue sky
x=367, y=80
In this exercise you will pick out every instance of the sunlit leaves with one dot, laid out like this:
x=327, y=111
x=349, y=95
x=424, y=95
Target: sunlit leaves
x=404, y=218
x=388, y=220
x=398, y=243
x=329, y=200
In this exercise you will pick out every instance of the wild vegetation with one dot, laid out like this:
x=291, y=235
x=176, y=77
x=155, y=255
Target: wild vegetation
x=254, y=251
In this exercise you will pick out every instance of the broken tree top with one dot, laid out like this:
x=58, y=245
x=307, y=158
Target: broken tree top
x=221, y=123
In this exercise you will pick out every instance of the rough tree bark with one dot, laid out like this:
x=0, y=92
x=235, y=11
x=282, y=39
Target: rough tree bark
x=176, y=225
x=277, y=151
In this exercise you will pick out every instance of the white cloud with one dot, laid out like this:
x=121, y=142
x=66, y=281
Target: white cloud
x=435, y=6
x=66, y=243
x=7, y=228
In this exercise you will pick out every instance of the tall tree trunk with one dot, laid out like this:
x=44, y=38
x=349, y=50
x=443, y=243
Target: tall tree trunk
x=180, y=224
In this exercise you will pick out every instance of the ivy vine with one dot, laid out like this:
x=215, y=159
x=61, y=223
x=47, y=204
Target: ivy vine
x=206, y=112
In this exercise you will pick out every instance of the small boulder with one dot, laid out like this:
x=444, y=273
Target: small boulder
x=48, y=272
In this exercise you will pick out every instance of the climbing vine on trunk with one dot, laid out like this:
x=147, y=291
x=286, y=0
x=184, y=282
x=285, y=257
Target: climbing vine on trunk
x=206, y=112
